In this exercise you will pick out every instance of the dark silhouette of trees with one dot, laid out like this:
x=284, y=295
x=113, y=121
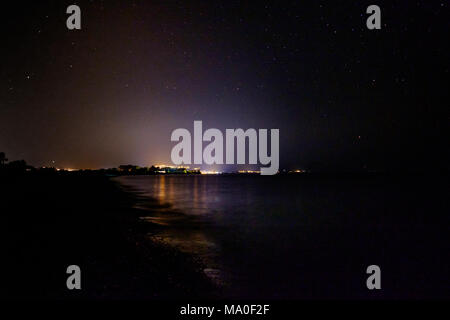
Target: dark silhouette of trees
x=13, y=167
x=3, y=158
x=17, y=166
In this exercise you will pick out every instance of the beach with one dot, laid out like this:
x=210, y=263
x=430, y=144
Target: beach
x=53, y=221
x=232, y=237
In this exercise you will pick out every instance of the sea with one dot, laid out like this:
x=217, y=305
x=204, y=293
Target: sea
x=302, y=235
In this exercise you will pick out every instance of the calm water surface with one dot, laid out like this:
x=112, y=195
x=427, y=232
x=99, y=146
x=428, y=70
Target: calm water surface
x=286, y=236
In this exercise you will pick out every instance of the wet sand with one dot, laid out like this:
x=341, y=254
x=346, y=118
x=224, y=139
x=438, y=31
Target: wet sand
x=53, y=221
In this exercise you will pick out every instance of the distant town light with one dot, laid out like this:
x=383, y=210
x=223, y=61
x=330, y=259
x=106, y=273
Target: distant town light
x=210, y=172
x=249, y=171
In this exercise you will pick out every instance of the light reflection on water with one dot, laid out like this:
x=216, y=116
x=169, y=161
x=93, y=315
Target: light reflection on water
x=220, y=220
x=181, y=204
x=288, y=236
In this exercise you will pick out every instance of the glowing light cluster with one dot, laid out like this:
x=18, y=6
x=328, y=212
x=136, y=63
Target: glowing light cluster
x=210, y=172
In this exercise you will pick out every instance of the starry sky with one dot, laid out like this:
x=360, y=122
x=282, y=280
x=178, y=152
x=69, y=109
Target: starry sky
x=344, y=97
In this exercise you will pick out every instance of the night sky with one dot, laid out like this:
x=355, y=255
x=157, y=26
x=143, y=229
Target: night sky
x=344, y=97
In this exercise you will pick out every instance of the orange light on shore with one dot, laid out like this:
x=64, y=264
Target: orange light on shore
x=210, y=172
x=161, y=166
x=249, y=171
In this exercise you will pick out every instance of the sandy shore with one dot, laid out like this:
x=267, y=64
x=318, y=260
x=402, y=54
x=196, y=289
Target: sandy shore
x=53, y=221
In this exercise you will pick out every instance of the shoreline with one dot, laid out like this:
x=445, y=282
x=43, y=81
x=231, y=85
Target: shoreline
x=56, y=221
x=177, y=230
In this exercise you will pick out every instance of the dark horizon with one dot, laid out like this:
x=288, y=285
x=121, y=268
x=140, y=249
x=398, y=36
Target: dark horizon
x=21, y=165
